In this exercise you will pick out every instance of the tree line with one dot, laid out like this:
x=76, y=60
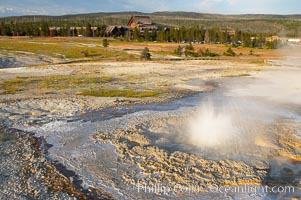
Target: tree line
x=198, y=34
x=195, y=34
x=46, y=29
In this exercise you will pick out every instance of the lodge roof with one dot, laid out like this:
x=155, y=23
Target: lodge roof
x=110, y=29
x=145, y=20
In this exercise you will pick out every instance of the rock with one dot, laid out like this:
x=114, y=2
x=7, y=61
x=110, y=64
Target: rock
x=24, y=172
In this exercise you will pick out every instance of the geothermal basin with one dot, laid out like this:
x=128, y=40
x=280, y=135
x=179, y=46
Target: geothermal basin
x=245, y=132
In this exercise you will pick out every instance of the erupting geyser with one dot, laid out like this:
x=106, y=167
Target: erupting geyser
x=237, y=117
x=212, y=127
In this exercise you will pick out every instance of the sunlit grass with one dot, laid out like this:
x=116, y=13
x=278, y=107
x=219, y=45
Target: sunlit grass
x=55, y=83
x=50, y=83
x=121, y=93
x=55, y=48
x=236, y=75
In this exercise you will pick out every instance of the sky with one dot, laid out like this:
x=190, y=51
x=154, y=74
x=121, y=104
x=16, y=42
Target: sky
x=62, y=7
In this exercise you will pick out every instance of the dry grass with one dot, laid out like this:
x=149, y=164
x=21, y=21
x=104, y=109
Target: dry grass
x=168, y=49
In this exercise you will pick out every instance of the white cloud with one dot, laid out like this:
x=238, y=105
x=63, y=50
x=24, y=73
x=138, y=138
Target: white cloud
x=5, y=9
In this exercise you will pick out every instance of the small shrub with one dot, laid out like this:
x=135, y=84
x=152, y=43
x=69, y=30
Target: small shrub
x=189, y=51
x=85, y=53
x=207, y=53
x=145, y=54
x=189, y=47
x=229, y=52
x=105, y=43
x=178, y=51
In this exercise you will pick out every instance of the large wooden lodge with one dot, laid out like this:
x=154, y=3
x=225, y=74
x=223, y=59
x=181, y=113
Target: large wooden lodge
x=141, y=23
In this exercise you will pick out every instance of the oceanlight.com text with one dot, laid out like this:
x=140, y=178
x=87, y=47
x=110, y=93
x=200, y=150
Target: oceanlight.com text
x=195, y=189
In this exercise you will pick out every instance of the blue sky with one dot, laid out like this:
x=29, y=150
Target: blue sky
x=61, y=7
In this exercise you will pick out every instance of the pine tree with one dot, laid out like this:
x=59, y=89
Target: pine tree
x=146, y=35
x=207, y=37
x=136, y=34
x=89, y=32
x=45, y=29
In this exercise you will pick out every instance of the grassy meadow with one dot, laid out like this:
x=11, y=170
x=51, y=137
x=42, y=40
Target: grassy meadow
x=89, y=81
x=60, y=48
